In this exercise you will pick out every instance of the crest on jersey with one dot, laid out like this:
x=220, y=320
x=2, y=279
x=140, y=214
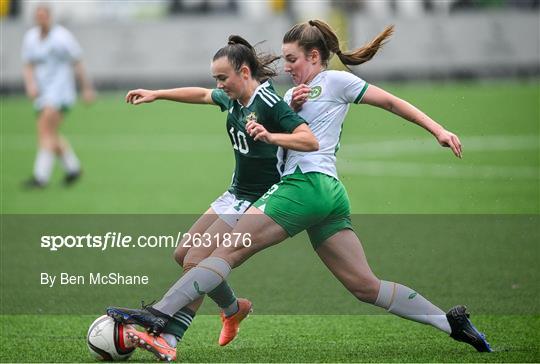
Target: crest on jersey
x=315, y=92
x=251, y=117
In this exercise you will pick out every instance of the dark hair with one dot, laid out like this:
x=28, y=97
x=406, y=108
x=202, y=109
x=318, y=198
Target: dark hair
x=239, y=52
x=316, y=34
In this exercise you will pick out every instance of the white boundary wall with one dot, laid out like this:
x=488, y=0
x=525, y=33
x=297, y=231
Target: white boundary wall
x=178, y=50
x=496, y=44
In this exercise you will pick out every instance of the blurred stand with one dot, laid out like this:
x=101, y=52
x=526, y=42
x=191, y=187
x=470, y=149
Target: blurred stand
x=202, y=6
x=10, y=8
x=164, y=43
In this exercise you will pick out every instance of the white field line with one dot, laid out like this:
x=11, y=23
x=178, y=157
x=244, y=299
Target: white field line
x=353, y=158
x=430, y=145
x=434, y=170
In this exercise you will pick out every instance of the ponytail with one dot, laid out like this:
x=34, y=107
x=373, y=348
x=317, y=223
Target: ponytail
x=316, y=34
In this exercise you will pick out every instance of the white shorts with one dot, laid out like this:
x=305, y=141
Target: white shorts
x=229, y=208
x=59, y=101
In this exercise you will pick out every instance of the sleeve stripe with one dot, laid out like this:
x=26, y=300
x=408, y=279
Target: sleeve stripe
x=266, y=100
x=269, y=94
x=361, y=94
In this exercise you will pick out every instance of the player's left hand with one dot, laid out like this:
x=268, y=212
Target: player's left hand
x=258, y=132
x=450, y=140
x=88, y=95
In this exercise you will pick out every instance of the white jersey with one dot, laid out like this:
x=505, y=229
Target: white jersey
x=324, y=111
x=52, y=58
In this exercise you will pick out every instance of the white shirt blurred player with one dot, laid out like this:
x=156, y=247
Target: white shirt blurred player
x=52, y=61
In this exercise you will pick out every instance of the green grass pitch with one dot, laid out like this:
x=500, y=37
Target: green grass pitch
x=458, y=231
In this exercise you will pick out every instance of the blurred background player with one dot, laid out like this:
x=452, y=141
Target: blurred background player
x=52, y=61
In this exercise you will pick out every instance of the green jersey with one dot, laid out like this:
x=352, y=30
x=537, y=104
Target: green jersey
x=256, y=167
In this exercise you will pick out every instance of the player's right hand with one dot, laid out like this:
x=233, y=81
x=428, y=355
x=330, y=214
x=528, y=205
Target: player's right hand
x=32, y=92
x=450, y=140
x=299, y=96
x=140, y=96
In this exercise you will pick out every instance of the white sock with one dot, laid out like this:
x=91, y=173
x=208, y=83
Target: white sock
x=206, y=276
x=43, y=165
x=70, y=161
x=170, y=339
x=407, y=303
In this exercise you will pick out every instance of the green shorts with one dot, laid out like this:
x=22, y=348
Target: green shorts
x=312, y=201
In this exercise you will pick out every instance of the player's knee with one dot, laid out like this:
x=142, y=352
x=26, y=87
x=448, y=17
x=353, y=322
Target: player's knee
x=47, y=141
x=179, y=255
x=193, y=258
x=188, y=266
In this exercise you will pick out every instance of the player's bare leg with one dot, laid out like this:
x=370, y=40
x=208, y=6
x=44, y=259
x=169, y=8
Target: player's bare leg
x=344, y=255
x=199, y=227
x=47, y=125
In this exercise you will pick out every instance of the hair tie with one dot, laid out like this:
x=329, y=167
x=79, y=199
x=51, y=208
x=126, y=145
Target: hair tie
x=338, y=52
x=312, y=23
x=231, y=42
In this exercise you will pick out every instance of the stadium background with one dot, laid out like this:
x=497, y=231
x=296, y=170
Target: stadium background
x=459, y=231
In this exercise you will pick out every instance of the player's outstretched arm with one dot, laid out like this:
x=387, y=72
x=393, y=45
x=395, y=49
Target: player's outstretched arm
x=191, y=95
x=376, y=96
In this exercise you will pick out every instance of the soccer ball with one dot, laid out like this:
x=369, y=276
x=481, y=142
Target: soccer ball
x=106, y=340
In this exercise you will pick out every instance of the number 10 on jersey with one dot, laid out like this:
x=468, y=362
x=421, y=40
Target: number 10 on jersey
x=239, y=141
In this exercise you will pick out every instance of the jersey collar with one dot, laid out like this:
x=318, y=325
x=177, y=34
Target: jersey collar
x=316, y=78
x=264, y=84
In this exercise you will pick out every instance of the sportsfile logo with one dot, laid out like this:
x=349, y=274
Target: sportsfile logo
x=122, y=240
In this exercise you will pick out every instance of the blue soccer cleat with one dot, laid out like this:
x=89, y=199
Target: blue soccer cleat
x=463, y=329
x=148, y=317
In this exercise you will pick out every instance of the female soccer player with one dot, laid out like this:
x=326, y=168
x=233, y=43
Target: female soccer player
x=52, y=56
x=244, y=92
x=310, y=196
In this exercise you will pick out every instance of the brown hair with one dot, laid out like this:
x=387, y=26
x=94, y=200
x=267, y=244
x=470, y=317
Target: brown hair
x=239, y=52
x=316, y=34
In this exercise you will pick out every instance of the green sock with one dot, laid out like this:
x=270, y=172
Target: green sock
x=224, y=297
x=180, y=322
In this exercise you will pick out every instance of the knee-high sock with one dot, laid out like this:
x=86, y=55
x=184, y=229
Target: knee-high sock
x=70, y=161
x=43, y=165
x=224, y=297
x=407, y=303
x=178, y=325
x=206, y=276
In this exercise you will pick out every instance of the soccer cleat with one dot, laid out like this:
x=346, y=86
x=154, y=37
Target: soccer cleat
x=154, y=344
x=463, y=329
x=71, y=178
x=231, y=324
x=148, y=317
x=32, y=183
